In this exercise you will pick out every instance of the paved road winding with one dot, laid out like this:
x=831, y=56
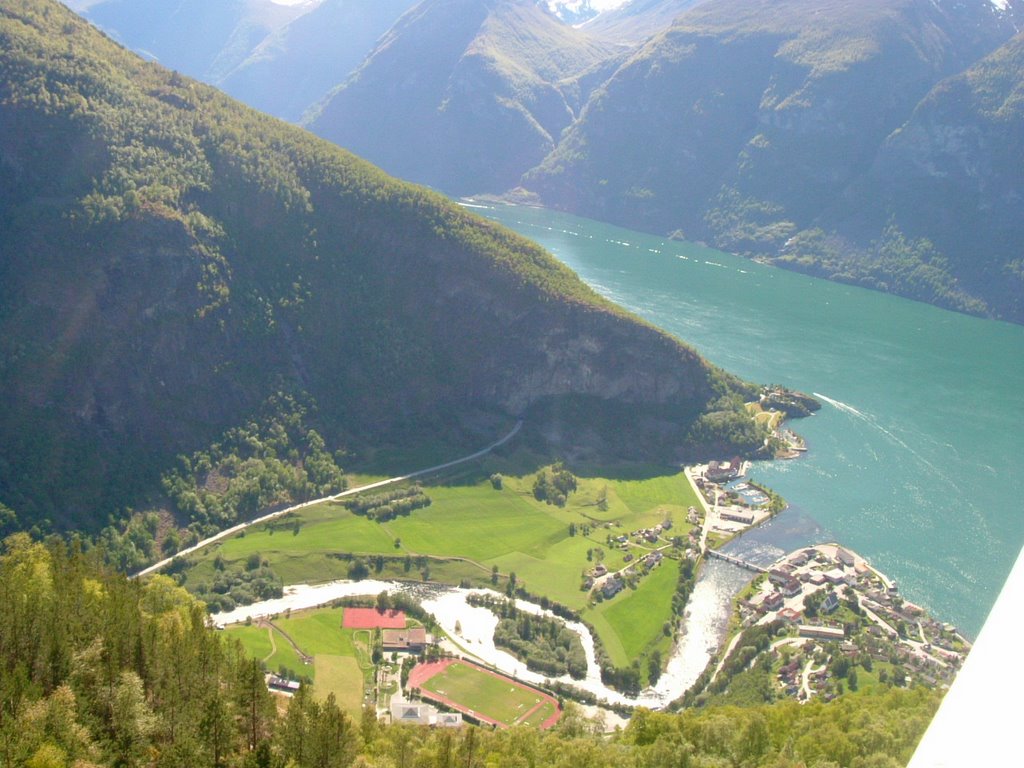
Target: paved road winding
x=349, y=492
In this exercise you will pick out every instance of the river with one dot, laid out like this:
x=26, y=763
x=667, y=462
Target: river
x=470, y=629
x=914, y=458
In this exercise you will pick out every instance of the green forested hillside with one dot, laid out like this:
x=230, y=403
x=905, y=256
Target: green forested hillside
x=96, y=670
x=748, y=124
x=848, y=140
x=173, y=265
x=952, y=174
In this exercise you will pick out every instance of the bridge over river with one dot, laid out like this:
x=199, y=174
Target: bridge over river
x=736, y=561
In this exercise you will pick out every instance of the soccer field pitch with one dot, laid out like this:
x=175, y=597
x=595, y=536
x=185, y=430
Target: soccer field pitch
x=483, y=693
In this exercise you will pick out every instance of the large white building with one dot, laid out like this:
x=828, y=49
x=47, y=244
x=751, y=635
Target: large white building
x=420, y=713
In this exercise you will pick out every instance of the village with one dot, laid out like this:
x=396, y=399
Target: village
x=643, y=549
x=821, y=618
x=831, y=613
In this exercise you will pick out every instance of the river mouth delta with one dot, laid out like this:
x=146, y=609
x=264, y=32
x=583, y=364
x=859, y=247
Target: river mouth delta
x=932, y=650
x=915, y=480
x=912, y=460
x=819, y=611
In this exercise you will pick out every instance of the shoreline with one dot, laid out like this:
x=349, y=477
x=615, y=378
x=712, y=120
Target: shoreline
x=730, y=505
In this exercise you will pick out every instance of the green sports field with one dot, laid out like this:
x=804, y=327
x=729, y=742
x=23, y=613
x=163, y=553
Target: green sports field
x=498, y=698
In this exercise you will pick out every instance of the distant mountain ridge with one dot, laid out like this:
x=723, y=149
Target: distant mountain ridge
x=638, y=20
x=298, y=64
x=771, y=128
x=465, y=94
x=751, y=124
x=171, y=261
x=279, y=58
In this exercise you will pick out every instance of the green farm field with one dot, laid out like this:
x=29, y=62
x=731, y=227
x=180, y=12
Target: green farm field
x=634, y=618
x=496, y=697
x=341, y=676
x=479, y=527
x=274, y=651
x=338, y=665
x=255, y=640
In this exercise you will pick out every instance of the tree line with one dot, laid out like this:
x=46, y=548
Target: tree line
x=97, y=670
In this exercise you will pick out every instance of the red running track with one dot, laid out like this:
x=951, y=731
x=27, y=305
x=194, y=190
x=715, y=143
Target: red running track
x=422, y=672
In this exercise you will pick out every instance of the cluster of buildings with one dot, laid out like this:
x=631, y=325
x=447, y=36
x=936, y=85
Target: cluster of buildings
x=643, y=559
x=723, y=472
x=825, y=568
x=819, y=581
x=735, y=504
x=643, y=535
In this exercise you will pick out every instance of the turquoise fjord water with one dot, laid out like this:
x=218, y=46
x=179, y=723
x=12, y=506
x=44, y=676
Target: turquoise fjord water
x=915, y=457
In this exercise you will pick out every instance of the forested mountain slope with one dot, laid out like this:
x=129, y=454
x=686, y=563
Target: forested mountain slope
x=171, y=262
x=748, y=121
x=953, y=173
x=466, y=95
x=788, y=130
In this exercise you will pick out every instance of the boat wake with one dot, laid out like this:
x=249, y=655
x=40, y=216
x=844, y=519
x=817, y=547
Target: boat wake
x=870, y=421
x=840, y=405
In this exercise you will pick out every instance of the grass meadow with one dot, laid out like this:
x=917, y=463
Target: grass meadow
x=272, y=649
x=340, y=666
x=634, y=618
x=341, y=676
x=470, y=528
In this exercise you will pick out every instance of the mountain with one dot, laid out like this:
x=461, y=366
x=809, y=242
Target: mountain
x=296, y=65
x=571, y=11
x=279, y=58
x=954, y=174
x=636, y=21
x=748, y=121
x=196, y=37
x=172, y=261
x=465, y=95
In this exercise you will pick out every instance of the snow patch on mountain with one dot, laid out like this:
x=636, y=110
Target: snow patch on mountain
x=578, y=11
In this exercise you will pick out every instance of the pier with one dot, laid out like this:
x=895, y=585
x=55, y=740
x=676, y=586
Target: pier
x=736, y=561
